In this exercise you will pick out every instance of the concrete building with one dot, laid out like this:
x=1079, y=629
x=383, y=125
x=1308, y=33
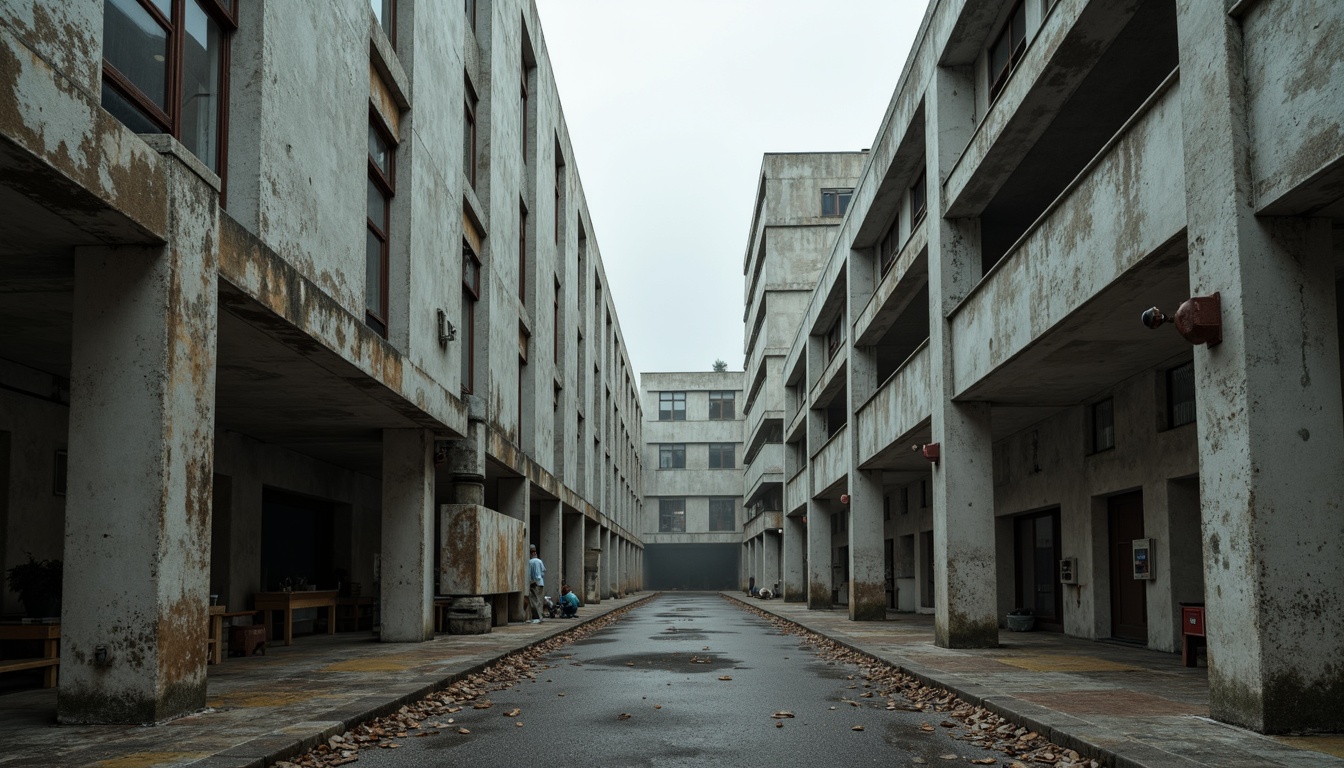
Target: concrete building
x=800, y=200
x=295, y=293
x=692, y=461
x=972, y=403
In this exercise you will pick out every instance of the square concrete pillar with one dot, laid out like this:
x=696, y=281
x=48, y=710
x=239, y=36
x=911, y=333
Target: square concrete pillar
x=818, y=555
x=1271, y=432
x=592, y=562
x=771, y=560
x=138, y=504
x=573, y=556
x=515, y=501
x=795, y=546
x=407, y=577
x=608, y=574
x=867, y=577
x=965, y=587
x=550, y=541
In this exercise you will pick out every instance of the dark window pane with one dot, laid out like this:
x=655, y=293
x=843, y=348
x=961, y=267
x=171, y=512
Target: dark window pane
x=373, y=274
x=379, y=152
x=203, y=50
x=1181, y=395
x=382, y=9
x=376, y=206
x=844, y=201
x=137, y=46
x=129, y=114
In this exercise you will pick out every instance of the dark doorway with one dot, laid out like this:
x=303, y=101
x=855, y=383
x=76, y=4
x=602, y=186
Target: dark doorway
x=926, y=593
x=1036, y=548
x=889, y=561
x=296, y=540
x=1129, y=598
x=692, y=566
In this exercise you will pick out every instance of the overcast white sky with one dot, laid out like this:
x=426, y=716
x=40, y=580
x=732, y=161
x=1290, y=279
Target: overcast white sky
x=670, y=106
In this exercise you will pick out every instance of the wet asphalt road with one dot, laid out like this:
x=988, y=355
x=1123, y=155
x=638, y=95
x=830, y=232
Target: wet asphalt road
x=661, y=665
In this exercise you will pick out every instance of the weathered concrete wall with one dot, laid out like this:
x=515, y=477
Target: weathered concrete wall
x=898, y=407
x=481, y=551
x=32, y=430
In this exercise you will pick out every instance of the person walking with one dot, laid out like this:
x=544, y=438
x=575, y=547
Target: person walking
x=536, y=579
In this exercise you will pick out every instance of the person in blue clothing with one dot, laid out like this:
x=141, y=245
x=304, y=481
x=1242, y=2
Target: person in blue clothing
x=536, y=579
x=569, y=603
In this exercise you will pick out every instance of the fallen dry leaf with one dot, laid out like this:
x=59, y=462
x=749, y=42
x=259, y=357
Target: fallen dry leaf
x=948, y=756
x=725, y=677
x=985, y=761
x=779, y=723
x=927, y=728
x=518, y=724
x=857, y=728
x=512, y=712
x=782, y=714
x=624, y=716
x=657, y=706
x=463, y=730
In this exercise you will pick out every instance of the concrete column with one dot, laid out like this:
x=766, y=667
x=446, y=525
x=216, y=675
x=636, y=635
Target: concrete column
x=818, y=555
x=514, y=501
x=867, y=577
x=550, y=542
x=592, y=559
x=1269, y=413
x=573, y=559
x=794, y=579
x=770, y=568
x=965, y=588
x=407, y=600
x=605, y=575
x=141, y=436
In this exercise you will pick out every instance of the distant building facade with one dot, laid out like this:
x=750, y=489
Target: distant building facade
x=296, y=294
x=973, y=408
x=692, y=459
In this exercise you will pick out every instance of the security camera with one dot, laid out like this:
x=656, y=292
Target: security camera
x=1153, y=317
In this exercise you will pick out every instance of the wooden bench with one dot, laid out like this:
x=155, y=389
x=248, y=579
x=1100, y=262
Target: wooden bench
x=49, y=634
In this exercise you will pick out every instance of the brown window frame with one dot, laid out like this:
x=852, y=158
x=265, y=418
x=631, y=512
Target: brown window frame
x=522, y=253
x=1017, y=46
x=919, y=201
x=889, y=246
x=724, y=400
x=223, y=13
x=469, y=8
x=719, y=453
x=717, y=517
x=555, y=323
x=841, y=197
x=672, y=515
x=835, y=337
x=386, y=183
x=388, y=21
x=469, y=138
x=471, y=294
x=523, y=103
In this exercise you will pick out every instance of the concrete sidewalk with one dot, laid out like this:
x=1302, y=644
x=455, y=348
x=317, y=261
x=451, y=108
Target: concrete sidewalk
x=266, y=708
x=1130, y=706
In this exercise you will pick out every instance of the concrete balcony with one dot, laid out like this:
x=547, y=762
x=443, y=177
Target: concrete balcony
x=830, y=465
x=796, y=491
x=766, y=521
x=900, y=406
x=766, y=467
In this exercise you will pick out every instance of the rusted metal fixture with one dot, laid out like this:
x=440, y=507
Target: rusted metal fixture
x=929, y=451
x=1199, y=319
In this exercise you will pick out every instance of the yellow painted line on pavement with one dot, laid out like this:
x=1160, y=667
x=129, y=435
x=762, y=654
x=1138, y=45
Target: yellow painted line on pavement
x=150, y=759
x=1059, y=663
x=386, y=664
x=259, y=699
x=1330, y=745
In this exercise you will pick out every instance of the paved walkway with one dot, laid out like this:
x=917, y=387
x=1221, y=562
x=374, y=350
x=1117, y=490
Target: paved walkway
x=265, y=708
x=1132, y=706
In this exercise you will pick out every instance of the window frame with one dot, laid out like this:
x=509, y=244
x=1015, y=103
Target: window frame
x=470, y=136
x=386, y=184
x=669, y=515
x=919, y=203
x=717, y=453
x=1016, y=49
x=842, y=198
x=1172, y=405
x=1103, y=434
x=471, y=294
x=835, y=337
x=469, y=9
x=722, y=398
x=223, y=13
x=672, y=397
x=671, y=456
x=716, y=517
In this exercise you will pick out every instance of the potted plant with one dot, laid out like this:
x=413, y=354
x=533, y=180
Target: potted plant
x=1021, y=620
x=38, y=585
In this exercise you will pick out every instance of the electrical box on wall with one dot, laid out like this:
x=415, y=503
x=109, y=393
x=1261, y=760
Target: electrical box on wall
x=1143, y=559
x=1068, y=571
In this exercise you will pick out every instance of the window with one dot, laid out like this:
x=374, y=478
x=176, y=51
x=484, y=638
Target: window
x=672, y=456
x=835, y=337
x=1007, y=49
x=834, y=202
x=671, y=406
x=469, y=137
x=722, y=456
x=918, y=202
x=1103, y=425
x=721, y=406
x=382, y=170
x=556, y=327
x=671, y=515
x=889, y=247
x=386, y=13
x=471, y=293
x=559, y=187
x=522, y=253
x=1181, y=395
x=165, y=70
x=522, y=110
x=905, y=500
x=722, y=515
x=469, y=8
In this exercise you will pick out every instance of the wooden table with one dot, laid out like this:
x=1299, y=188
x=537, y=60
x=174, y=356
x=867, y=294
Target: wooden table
x=288, y=602
x=49, y=634
x=214, y=642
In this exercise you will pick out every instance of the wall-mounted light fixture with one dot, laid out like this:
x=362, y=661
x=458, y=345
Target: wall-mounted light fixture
x=446, y=330
x=1199, y=319
x=929, y=451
